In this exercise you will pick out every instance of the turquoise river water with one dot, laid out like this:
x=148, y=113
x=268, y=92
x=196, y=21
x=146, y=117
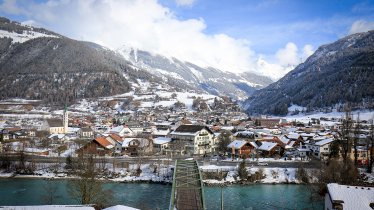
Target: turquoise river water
x=157, y=196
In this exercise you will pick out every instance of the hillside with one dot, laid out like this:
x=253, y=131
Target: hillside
x=212, y=80
x=38, y=64
x=337, y=73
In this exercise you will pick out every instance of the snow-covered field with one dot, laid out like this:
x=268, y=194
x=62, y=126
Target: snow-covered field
x=363, y=115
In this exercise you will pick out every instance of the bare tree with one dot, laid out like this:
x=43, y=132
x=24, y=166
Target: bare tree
x=345, y=135
x=370, y=149
x=87, y=189
x=223, y=141
x=357, y=131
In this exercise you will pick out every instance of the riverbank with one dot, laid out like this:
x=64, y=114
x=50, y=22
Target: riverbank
x=163, y=174
x=212, y=174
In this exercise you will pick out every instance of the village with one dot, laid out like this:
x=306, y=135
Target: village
x=137, y=136
x=153, y=120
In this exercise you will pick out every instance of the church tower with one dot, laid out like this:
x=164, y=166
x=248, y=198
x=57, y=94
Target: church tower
x=65, y=119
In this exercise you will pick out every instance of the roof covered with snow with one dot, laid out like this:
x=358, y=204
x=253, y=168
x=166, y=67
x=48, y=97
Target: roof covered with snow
x=351, y=197
x=161, y=140
x=47, y=207
x=323, y=142
x=120, y=207
x=267, y=146
x=237, y=144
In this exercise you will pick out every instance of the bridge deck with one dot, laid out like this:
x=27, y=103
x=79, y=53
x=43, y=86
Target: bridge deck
x=187, y=192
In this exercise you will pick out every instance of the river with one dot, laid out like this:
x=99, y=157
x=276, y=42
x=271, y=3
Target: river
x=157, y=196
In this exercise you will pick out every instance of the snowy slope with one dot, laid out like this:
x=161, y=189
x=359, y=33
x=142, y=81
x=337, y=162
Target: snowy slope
x=209, y=79
x=23, y=37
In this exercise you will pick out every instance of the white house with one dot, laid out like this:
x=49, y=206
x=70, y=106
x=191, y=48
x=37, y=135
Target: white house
x=194, y=139
x=86, y=133
x=122, y=131
x=160, y=144
x=349, y=197
x=321, y=149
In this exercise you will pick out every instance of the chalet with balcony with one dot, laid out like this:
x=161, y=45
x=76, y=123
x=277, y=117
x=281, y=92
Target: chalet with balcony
x=193, y=139
x=241, y=149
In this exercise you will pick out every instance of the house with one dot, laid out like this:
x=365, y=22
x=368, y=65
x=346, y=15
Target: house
x=240, y=148
x=58, y=126
x=4, y=135
x=244, y=135
x=349, y=197
x=31, y=132
x=160, y=132
x=303, y=152
x=117, y=141
x=99, y=146
x=193, y=139
x=161, y=144
x=58, y=137
x=135, y=127
x=55, y=126
x=122, y=131
x=268, y=122
x=295, y=137
x=321, y=149
x=86, y=133
x=136, y=146
x=183, y=121
x=362, y=153
x=268, y=149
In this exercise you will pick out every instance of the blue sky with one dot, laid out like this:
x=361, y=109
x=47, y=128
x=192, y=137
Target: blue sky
x=269, y=25
x=263, y=36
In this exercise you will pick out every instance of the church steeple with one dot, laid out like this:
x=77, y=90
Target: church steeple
x=65, y=119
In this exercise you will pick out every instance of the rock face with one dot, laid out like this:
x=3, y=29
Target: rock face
x=337, y=73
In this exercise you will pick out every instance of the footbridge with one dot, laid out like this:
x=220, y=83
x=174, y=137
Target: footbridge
x=187, y=191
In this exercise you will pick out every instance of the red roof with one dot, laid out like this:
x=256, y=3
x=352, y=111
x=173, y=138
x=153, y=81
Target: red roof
x=103, y=142
x=116, y=137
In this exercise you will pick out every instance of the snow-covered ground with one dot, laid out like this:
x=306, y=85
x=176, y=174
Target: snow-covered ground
x=363, y=115
x=25, y=36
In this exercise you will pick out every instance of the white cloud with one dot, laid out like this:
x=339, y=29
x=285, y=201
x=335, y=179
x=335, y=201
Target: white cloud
x=288, y=55
x=307, y=51
x=361, y=26
x=11, y=7
x=185, y=2
x=147, y=25
x=287, y=59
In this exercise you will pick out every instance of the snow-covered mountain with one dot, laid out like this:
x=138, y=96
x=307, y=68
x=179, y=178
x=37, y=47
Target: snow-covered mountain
x=41, y=64
x=337, y=73
x=212, y=80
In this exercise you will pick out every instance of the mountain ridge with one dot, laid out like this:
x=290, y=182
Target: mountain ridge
x=336, y=74
x=210, y=79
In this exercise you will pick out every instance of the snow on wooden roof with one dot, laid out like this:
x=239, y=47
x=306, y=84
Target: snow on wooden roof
x=351, y=197
x=267, y=146
x=237, y=144
x=293, y=135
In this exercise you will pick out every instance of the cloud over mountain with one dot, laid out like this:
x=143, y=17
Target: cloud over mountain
x=148, y=25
